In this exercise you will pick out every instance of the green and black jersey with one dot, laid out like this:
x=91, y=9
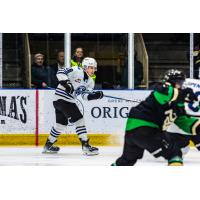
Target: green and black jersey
x=158, y=110
x=188, y=125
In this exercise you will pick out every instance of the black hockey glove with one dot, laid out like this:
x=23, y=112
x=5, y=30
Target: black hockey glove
x=68, y=86
x=189, y=95
x=95, y=95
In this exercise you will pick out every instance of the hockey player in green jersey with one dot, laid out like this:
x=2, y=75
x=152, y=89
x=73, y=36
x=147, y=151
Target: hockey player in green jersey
x=147, y=122
x=183, y=140
x=182, y=133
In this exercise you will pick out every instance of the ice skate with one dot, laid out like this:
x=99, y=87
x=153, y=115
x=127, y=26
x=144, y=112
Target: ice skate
x=88, y=149
x=50, y=148
x=176, y=161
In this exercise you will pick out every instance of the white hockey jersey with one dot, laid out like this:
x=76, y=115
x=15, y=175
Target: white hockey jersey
x=82, y=83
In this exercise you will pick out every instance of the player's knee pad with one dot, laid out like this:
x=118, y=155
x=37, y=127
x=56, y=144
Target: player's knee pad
x=59, y=127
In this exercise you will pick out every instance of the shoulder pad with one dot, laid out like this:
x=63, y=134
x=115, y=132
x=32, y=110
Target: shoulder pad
x=162, y=88
x=68, y=70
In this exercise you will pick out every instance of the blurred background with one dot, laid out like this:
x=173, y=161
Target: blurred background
x=125, y=61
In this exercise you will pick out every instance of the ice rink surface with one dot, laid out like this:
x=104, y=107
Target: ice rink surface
x=72, y=156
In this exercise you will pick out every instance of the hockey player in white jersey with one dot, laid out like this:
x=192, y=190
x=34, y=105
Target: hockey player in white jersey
x=72, y=82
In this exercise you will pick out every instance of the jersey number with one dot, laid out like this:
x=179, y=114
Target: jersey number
x=170, y=118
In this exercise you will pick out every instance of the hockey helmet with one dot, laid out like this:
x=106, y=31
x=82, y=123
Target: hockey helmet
x=174, y=76
x=89, y=62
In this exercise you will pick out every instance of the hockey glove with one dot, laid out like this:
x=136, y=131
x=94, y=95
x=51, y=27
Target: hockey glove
x=68, y=86
x=95, y=95
x=189, y=95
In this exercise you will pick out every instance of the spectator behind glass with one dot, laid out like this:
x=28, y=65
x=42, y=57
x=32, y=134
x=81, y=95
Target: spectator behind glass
x=196, y=55
x=138, y=72
x=39, y=72
x=54, y=68
x=77, y=58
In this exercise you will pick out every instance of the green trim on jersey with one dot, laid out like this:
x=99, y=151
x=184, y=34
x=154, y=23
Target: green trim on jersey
x=186, y=123
x=180, y=104
x=133, y=123
x=163, y=98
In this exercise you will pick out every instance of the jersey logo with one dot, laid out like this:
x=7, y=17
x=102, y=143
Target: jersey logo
x=170, y=118
x=80, y=90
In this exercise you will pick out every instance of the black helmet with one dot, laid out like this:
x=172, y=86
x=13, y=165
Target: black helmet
x=174, y=76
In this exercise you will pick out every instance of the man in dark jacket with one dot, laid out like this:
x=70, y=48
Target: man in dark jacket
x=55, y=67
x=138, y=71
x=39, y=72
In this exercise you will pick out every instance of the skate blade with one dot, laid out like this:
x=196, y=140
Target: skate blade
x=175, y=164
x=91, y=153
x=49, y=152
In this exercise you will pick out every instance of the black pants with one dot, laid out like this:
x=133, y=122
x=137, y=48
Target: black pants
x=150, y=139
x=66, y=111
x=184, y=140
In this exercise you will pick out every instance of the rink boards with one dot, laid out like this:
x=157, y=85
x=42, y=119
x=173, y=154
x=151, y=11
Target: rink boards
x=26, y=116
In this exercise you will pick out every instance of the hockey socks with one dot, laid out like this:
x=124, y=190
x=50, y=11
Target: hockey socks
x=81, y=130
x=82, y=133
x=54, y=134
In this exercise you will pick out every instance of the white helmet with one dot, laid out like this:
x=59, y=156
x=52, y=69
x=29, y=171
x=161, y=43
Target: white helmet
x=89, y=62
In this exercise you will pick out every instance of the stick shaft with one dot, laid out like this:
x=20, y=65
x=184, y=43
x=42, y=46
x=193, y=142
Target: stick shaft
x=108, y=96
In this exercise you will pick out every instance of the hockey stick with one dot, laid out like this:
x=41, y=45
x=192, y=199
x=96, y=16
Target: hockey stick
x=108, y=96
x=134, y=101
